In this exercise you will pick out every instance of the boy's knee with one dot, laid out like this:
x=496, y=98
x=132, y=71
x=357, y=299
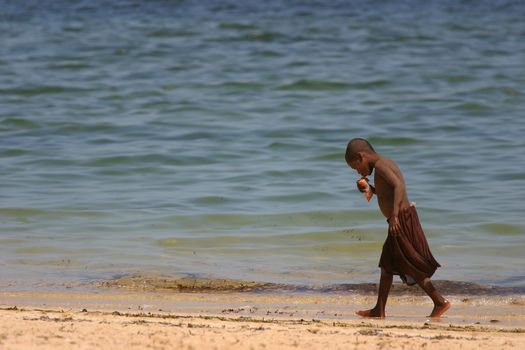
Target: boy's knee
x=427, y=284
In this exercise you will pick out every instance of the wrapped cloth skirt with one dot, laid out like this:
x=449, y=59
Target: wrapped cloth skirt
x=408, y=254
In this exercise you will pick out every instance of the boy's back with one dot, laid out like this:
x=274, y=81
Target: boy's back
x=390, y=187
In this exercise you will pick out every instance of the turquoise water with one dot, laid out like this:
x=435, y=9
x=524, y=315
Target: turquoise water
x=208, y=137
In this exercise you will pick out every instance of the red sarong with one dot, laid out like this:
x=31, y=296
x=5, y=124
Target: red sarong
x=408, y=254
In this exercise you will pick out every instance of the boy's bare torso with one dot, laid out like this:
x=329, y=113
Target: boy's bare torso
x=387, y=177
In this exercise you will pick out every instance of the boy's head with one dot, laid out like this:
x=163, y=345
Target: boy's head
x=358, y=154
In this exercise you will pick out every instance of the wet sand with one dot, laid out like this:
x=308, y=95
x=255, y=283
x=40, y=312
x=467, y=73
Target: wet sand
x=129, y=318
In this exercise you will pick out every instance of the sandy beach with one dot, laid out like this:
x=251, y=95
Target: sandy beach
x=124, y=319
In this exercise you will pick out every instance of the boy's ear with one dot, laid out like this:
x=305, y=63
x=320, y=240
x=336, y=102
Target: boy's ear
x=359, y=156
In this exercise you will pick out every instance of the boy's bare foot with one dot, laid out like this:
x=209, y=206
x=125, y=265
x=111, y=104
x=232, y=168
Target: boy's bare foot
x=440, y=309
x=370, y=313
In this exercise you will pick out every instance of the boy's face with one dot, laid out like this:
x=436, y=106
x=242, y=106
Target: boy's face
x=360, y=164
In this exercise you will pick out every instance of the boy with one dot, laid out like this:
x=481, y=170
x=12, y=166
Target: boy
x=405, y=251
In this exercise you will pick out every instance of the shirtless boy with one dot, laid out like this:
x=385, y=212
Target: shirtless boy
x=405, y=251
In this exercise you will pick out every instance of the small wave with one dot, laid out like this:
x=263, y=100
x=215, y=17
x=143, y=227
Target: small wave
x=297, y=64
x=196, y=135
x=69, y=66
x=459, y=79
x=38, y=250
x=502, y=229
x=241, y=85
x=21, y=212
x=84, y=127
x=506, y=90
x=233, y=85
x=300, y=197
x=13, y=152
x=21, y=123
x=189, y=283
x=170, y=33
x=263, y=37
x=332, y=156
x=315, y=85
x=143, y=159
x=495, y=53
x=237, y=26
x=473, y=107
x=299, y=172
x=517, y=176
x=370, y=84
x=43, y=90
x=398, y=38
x=181, y=68
x=285, y=146
x=395, y=141
x=215, y=200
x=28, y=213
x=267, y=53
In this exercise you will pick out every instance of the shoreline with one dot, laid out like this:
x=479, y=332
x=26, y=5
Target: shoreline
x=189, y=283
x=116, y=318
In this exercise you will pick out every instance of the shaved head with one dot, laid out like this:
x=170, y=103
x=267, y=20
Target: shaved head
x=357, y=145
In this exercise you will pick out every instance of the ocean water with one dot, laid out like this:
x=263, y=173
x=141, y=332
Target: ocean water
x=207, y=137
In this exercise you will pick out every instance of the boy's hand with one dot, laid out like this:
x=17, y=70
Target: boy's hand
x=362, y=185
x=394, y=228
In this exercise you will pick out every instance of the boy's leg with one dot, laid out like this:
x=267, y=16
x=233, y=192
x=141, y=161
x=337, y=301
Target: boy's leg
x=441, y=305
x=385, y=283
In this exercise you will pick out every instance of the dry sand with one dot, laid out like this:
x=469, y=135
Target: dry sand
x=109, y=319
